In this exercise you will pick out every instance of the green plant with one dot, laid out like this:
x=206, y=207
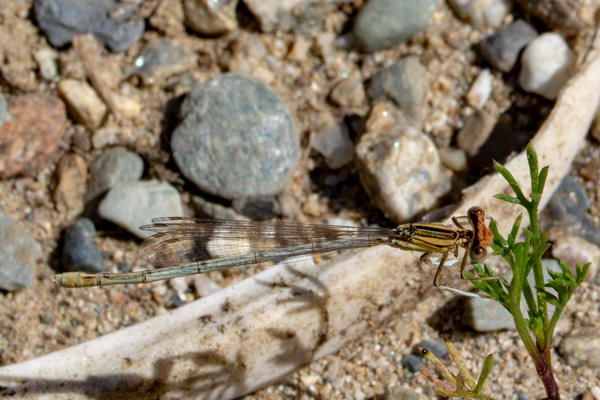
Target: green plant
x=523, y=257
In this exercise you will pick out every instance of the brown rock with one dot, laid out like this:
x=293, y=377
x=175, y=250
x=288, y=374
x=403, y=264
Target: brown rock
x=70, y=187
x=30, y=138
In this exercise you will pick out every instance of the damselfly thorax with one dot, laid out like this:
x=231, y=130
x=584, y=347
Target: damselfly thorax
x=186, y=246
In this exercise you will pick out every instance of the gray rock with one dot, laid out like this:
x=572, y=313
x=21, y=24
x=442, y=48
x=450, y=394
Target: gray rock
x=114, y=166
x=403, y=83
x=502, y=48
x=401, y=171
x=208, y=209
x=80, y=253
x=62, y=19
x=484, y=315
x=133, y=204
x=581, y=348
x=236, y=139
x=437, y=347
x=159, y=60
x=381, y=24
x=257, y=208
x=413, y=362
x=18, y=255
x=475, y=132
x=333, y=142
x=3, y=109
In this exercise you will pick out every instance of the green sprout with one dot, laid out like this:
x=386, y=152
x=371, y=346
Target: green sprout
x=523, y=257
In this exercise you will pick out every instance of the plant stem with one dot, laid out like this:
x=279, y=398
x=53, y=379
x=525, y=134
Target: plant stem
x=543, y=366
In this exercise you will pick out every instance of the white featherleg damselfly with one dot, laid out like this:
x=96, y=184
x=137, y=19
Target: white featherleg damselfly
x=186, y=246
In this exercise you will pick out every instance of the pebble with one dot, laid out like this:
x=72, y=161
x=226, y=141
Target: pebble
x=132, y=204
x=274, y=15
x=205, y=208
x=84, y=104
x=212, y=18
x=381, y=24
x=205, y=286
x=258, y=208
x=3, y=109
x=437, y=347
x=546, y=65
x=413, y=362
x=453, y=158
x=403, y=83
x=19, y=253
x=127, y=107
x=383, y=117
x=30, y=139
x=62, y=19
x=114, y=166
x=80, y=252
x=483, y=315
x=71, y=175
x=480, y=90
x=403, y=393
x=481, y=13
x=581, y=348
x=565, y=213
x=47, y=63
x=159, y=60
x=475, y=132
x=237, y=138
x=349, y=92
x=401, y=171
x=502, y=48
x=573, y=249
x=334, y=144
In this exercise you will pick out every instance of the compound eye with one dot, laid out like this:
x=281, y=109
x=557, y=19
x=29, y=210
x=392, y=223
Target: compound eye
x=478, y=253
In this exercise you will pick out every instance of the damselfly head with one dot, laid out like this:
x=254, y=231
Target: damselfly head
x=478, y=253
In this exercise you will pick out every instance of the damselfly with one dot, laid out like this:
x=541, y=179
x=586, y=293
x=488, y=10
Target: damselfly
x=186, y=246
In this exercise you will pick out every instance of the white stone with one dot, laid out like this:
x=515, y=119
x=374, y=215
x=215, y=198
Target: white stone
x=83, y=102
x=546, y=65
x=480, y=90
x=46, y=60
x=480, y=13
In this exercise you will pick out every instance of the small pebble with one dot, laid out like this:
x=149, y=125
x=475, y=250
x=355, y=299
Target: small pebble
x=334, y=144
x=480, y=90
x=381, y=24
x=383, y=117
x=205, y=208
x=581, y=348
x=71, y=175
x=30, y=139
x=46, y=60
x=413, y=362
x=546, y=65
x=401, y=171
x=573, y=249
x=483, y=315
x=128, y=107
x=84, y=104
x=437, y=347
x=402, y=393
x=3, y=109
x=110, y=168
x=159, y=60
x=258, y=208
x=19, y=253
x=132, y=204
x=62, y=19
x=403, y=83
x=274, y=14
x=237, y=138
x=80, y=252
x=312, y=207
x=453, y=158
x=349, y=92
x=481, y=13
x=205, y=286
x=502, y=48
x=212, y=18
x=475, y=132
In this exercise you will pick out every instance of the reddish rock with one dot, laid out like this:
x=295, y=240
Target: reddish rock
x=31, y=136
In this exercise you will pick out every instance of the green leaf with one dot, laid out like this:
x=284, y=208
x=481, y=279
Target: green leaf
x=508, y=198
x=581, y=273
x=510, y=179
x=549, y=297
x=533, y=167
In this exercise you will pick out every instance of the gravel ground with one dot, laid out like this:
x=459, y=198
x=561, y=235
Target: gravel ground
x=41, y=319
